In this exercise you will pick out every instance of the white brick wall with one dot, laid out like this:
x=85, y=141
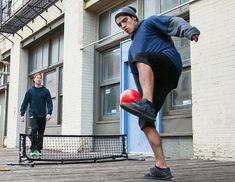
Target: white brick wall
x=17, y=89
x=78, y=70
x=89, y=32
x=213, y=79
x=72, y=79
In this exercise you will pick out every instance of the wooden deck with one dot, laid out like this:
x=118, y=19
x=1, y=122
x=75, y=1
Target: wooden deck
x=119, y=171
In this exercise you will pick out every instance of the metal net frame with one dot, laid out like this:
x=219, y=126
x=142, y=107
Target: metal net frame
x=71, y=148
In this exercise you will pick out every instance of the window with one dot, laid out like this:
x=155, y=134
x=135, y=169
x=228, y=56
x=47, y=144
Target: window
x=155, y=7
x=47, y=57
x=107, y=25
x=38, y=57
x=5, y=71
x=110, y=65
x=61, y=48
x=110, y=95
x=110, y=84
x=179, y=100
x=183, y=47
x=54, y=50
x=181, y=96
x=60, y=109
x=48, y=53
x=50, y=84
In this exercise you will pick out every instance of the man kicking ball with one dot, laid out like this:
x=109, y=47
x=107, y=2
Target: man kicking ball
x=156, y=67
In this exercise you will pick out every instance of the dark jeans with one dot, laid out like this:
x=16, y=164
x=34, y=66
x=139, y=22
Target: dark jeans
x=37, y=130
x=166, y=79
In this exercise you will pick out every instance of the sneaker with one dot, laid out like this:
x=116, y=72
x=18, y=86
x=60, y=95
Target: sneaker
x=159, y=174
x=39, y=152
x=141, y=108
x=34, y=153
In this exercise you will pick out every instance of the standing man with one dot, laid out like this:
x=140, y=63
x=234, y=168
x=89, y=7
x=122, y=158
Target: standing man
x=156, y=67
x=38, y=97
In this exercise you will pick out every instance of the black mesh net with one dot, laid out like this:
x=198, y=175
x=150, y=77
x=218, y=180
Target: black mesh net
x=72, y=147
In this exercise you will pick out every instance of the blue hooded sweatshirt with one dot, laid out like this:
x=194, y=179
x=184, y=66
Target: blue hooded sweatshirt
x=154, y=35
x=38, y=99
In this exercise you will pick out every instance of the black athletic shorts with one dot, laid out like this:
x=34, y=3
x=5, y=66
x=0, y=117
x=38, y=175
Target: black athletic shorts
x=166, y=78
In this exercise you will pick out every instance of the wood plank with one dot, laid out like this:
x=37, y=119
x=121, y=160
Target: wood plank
x=127, y=170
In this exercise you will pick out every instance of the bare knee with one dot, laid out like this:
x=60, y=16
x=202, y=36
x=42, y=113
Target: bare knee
x=142, y=66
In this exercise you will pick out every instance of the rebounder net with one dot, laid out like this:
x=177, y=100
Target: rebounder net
x=72, y=147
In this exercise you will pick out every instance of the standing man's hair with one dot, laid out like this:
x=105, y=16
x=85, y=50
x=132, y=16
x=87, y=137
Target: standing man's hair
x=37, y=74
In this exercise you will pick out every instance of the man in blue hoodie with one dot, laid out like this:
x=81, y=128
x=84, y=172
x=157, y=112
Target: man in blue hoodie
x=156, y=67
x=38, y=97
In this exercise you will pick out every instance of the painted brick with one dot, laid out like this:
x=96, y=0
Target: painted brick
x=213, y=80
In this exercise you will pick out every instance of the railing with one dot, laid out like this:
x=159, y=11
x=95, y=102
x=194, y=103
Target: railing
x=21, y=17
x=8, y=8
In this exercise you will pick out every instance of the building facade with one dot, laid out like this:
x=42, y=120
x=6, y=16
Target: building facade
x=82, y=55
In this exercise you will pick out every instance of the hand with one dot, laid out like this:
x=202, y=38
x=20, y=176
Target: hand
x=195, y=37
x=22, y=118
x=48, y=117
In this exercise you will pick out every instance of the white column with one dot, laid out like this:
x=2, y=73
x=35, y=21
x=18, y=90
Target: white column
x=78, y=71
x=17, y=89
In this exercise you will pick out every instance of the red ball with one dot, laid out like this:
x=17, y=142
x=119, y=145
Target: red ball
x=129, y=95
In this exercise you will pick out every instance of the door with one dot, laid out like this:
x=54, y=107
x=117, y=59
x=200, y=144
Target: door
x=137, y=142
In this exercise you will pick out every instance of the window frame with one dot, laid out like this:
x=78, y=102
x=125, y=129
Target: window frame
x=56, y=67
x=182, y=12
x=102, y=85
x=109, y=11
x=175, y=12
x=187, y=112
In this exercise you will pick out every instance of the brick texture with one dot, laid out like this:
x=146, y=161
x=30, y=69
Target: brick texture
x=213, y=80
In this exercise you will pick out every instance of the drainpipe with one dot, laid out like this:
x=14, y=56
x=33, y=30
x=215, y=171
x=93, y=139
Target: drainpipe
x=6, y=88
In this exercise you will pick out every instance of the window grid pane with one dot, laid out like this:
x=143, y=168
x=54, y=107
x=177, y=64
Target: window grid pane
x=111, y=65
x=60, y=110
x=151, y=7
x=111, y=100
x=50, y=83
x=181, y=97
x=183, y=46
x=104, y=23
x=53, y=120
x=45, y=55
x=33, y=60
x=107, y=25
x=156, y=7
x=61, y=48
x=166, y=5
x=54, y=50
x=110, y=75
x=61, y=81
x=39, y=57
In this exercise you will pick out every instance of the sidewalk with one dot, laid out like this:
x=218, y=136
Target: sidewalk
x=119, y=171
